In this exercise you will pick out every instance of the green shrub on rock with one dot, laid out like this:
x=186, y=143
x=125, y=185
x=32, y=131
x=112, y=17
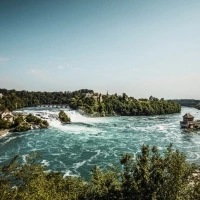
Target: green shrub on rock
x=22, y=127
x=63, y=117
x=32, y=118
x=44, y=124
x=37, y=121
x=18, y=120
x=4, y=124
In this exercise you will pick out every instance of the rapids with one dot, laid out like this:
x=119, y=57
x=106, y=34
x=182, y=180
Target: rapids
x=75, y=148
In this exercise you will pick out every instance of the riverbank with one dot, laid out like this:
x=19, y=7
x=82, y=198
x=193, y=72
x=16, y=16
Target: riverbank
x=22, y=123
x=3, y=132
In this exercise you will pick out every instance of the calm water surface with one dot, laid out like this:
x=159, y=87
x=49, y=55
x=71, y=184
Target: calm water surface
x=74, y=149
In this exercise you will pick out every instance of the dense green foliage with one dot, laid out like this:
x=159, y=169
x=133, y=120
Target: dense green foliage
x=13, y=99
x=63, y=117
x=149, y=176
x=110, y=104
x=23, y=123
x=36, y=121
x=197, y=106
x=24, y=126
x=188, y=102
x=4, y=124
x=123, y=105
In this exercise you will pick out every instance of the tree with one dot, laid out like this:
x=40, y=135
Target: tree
x=150, y=176
x=19, y=120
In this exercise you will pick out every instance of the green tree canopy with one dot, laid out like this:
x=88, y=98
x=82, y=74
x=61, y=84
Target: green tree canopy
x=148, y=176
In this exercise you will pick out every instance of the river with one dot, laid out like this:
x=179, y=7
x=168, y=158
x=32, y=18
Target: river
x=75, y=148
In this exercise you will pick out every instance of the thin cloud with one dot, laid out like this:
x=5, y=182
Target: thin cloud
x=69, y=66
x=7, y=82
x=136, y=69
x=56, y=58
x=3, y=58
x=76, y=68
x=37, y=72
x=42, y=74
x=60, y=67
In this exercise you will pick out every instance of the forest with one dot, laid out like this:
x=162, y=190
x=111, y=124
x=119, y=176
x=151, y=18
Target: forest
x=188, y=102
x=109, y=105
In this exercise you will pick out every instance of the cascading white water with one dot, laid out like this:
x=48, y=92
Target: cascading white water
x=51, y=115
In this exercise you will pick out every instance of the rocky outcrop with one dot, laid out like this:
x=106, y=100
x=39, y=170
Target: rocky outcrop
x=29, y=122
x=64, y=118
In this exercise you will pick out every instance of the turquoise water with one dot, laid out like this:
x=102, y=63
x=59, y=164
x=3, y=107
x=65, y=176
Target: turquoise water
x=74, y=149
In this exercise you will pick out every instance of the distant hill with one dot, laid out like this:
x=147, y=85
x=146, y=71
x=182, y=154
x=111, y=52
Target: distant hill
x=188, y=102
x=198, y=106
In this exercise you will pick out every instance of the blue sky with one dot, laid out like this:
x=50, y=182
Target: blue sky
x=141, y=48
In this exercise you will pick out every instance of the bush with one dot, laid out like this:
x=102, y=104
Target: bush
x=63, y=117
x=22, y=127
x=152, y=176
x=4, y=124
x=37, y=121
x=32, y=118
x=19, y=120
x=44, y=124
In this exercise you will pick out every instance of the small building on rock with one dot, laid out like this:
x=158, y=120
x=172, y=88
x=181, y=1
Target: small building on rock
x=7, y=115
x=188, y=121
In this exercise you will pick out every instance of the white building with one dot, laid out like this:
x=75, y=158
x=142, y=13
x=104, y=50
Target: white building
x=88, y=95
x=7, y=115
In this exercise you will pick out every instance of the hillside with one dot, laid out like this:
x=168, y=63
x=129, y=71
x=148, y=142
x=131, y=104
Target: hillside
x=188, y=102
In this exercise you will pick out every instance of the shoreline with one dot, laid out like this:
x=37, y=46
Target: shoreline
x=3, y=132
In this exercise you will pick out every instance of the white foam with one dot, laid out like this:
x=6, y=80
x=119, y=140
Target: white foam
x=8, y=140
x=51, y=115
x=68, y=173
x=193, y=156
x=77, y=117
x=45, y=163
x=24, y=158
x=79, y=164
x=161, y=128
x=93, y=157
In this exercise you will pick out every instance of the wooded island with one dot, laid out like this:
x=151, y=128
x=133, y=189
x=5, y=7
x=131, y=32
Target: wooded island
x=89, y=102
